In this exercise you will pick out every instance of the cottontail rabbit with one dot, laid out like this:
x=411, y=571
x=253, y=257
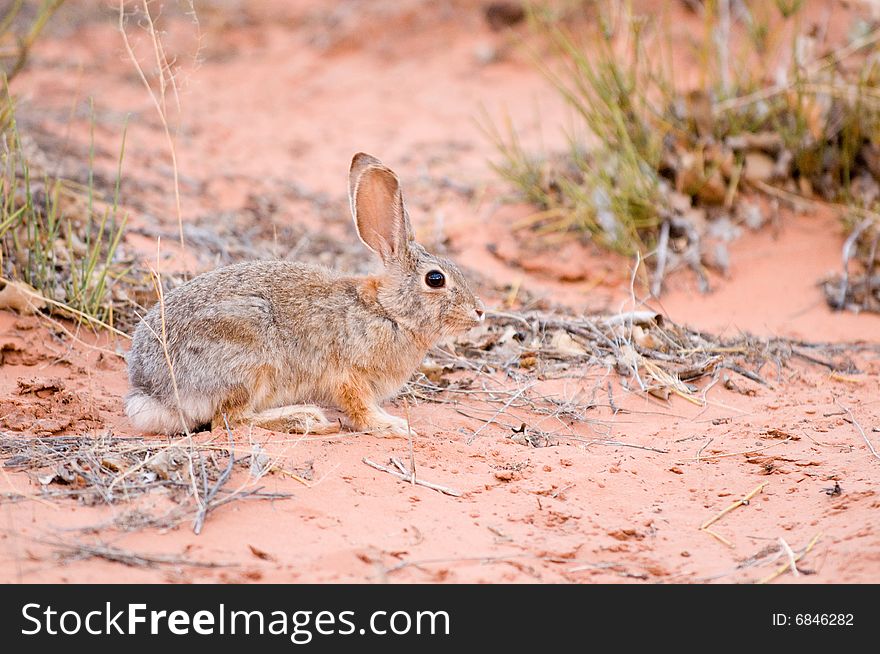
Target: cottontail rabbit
x=268, y=342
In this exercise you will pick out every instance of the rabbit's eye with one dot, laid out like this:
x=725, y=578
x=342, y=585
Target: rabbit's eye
x=435, y=279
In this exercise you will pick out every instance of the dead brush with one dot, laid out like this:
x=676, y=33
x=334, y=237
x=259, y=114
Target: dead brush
x=112, y=470
x=651, y=356
x=769, y=116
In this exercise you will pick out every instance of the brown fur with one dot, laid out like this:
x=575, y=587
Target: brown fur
x=266, y=341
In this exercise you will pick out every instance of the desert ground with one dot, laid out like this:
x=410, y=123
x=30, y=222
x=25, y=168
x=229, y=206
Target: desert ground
x=556, y=467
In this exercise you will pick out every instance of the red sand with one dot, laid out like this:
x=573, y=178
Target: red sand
x=272, y=101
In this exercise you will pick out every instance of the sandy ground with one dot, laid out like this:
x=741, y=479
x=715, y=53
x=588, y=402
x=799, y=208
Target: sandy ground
x=269, y=120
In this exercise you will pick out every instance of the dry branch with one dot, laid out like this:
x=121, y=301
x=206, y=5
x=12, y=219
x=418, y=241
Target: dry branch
x=126, y=557
x=209, y=503
x=406, y=475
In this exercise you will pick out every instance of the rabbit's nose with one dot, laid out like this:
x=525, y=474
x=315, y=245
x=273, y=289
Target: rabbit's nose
x=480, y=310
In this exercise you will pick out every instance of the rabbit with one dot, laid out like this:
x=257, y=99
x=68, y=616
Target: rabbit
x=270, y=342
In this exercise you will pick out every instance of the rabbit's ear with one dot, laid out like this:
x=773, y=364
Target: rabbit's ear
x=377, y=207
x=359, y=163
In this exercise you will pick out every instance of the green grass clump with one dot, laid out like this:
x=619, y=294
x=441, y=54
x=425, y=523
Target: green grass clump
x=663, y=150
x=55, y=236
x=20, y=26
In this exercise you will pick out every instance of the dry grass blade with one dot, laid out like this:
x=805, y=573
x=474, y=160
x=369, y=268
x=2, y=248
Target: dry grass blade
x=658, y=450
x=24, y=39
x=166, y=79
x=856, y=424
x=744, y=501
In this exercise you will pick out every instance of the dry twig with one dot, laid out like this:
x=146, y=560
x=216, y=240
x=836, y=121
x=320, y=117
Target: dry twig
x=126, y=557
x=406, y=475
x=791, y=564
x=738, y=503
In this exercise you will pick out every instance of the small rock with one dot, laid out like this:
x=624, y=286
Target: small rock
x=564, y=344
x=759, y=167
x=692, y=180
x=764, y=141
x=503, y=14
x=21, y=297
x=485, y=54
x=752, y=215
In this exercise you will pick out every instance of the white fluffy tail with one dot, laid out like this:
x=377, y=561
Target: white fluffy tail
x=148, y=415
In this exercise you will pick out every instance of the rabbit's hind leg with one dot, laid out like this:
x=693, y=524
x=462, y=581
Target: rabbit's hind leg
x=294, y=418
x=232, y=407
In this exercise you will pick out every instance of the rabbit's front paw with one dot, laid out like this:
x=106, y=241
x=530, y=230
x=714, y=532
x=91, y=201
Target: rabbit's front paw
x=384, y=424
